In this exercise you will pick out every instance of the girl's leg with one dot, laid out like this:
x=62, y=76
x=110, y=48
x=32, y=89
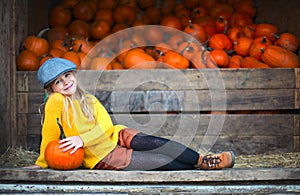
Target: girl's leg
x=176, y=152
x=152, y=161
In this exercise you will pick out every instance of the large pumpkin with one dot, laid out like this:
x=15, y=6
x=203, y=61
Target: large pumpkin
x=279, y=57
x=57, y=159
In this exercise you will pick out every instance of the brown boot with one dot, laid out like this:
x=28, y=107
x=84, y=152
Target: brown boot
x=216, y=161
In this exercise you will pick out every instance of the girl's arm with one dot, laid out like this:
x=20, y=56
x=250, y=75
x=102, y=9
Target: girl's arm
x=50, y=130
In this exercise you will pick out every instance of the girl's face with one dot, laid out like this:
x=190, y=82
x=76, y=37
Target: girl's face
x=66, y=84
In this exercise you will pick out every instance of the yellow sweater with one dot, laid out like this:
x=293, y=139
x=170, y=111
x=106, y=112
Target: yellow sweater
x=99, y=138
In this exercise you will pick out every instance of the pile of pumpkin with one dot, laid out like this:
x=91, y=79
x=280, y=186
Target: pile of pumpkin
x=225, y=29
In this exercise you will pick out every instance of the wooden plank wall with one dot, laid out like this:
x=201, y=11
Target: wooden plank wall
x=177, y=107
x=23, y=17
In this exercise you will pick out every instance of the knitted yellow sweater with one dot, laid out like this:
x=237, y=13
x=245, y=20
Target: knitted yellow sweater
x=99, y=138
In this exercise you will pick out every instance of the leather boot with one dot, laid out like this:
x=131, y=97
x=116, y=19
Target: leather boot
x=216, y=161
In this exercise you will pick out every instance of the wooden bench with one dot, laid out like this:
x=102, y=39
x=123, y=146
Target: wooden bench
x=177, y=104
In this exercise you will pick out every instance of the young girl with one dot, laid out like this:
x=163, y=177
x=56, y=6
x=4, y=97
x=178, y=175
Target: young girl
x=87, y=124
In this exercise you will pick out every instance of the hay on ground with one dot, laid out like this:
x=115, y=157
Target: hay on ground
x=19, y=157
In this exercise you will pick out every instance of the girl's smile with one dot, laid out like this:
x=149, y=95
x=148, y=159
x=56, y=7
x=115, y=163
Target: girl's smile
x=65, y=84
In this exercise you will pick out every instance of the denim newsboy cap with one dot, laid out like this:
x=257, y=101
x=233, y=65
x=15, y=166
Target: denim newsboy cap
x=53, y=68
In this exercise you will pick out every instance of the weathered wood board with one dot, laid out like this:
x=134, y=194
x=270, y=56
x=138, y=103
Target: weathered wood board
x=227, y=181
x=176, y=104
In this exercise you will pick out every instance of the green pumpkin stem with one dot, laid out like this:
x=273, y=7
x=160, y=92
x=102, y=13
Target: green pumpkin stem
x=62, y=135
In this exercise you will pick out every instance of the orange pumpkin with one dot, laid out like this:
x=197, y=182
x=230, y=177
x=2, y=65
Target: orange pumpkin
x=107, y=4
x=104, y=14
x=101, y=63
x=242, y=45
x=203, y=59
x=235, y=61
x=246, y=7
x=73, y=57
x=124, y=14
x=79, y=28
x=27, y=60
x=57, y=159
x=60, y=16
x=83, y=10
x=257, y=46
x=220, y=57
x=99, y=28
x=171, y=21
x=265, y=29
x=173, y=59
x=276, y=56
x=154, y=14
x=220, y=41
x=197, y=31
x=288, y=41
x=251, y=62
x=37, y=44
x=57, y=33
x=138, y=59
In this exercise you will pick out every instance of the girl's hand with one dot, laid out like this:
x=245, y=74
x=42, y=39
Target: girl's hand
x=68, y=143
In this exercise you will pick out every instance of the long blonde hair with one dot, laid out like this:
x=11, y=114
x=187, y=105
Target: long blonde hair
x=84, y=99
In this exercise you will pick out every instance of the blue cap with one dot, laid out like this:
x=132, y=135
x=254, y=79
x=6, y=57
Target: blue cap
x=53, y=68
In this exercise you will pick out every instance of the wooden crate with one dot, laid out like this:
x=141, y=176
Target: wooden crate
x=176, y=104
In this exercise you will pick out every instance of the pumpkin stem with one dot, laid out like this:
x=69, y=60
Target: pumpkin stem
x=42, y=32
x=65, y=43
x=191, y=24
x=185, y=48
x=264, y=40
x=62, y=135
x=262, y=50
x=79, y=48
x=275, y=35
x=160, y=53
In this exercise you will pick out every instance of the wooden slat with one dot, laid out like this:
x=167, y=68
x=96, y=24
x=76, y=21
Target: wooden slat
x=191, y=79
x=140, y=101
x=193, y=124
x=245, y=134
x=165, y=177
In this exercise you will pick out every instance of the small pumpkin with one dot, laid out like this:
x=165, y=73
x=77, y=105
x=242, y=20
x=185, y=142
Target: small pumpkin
x=203, y=59
x=276, y=56
x=124, y=14
x=242, y=45
x=60, y=16
x=175, y=60
x=99, y=28
x=73, y=57
x=83, y=10
x=235, y=61
x=27, y=60
x=37, y=44
x=220, y=57
x=251, y=62
x=79, y=28
x=197, y=31
x=258, y=45
x=57, y=159
x=171, y=21
x=265, y=29
x=288, y=41
x=138, y=59
x=220, y=41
